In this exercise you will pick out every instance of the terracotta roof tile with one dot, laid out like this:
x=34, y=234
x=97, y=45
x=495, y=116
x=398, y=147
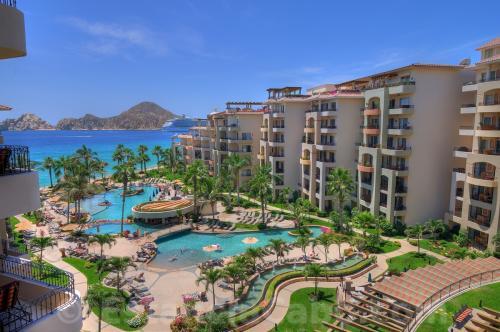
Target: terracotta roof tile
x=492, y=43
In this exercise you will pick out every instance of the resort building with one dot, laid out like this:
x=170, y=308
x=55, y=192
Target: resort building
x=30, y=302
x=201, y=135
x=410, y=121
x=474, y=202
x=330, y=132
x=282, y=132
x=236, y=131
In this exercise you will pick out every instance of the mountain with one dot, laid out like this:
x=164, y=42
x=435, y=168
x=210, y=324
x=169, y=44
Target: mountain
x=145, y=115
x=26, y=121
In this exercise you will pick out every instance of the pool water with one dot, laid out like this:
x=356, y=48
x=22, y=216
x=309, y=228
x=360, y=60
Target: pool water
x=114, y=211
x=257, y=287
x=114, y=228
x=186, y=249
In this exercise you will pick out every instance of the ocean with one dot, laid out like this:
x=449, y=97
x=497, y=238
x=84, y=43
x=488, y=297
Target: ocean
x=57, y=143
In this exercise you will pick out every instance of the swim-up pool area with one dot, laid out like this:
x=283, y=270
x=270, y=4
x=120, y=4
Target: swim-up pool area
x=114, y=211
x=186, y=249
x=114, y=228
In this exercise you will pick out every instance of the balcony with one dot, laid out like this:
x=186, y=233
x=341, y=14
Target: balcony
x=261, y=156
x=468, y=109
x=264, y=129
x=400, y=87
x=325, y=145
x=371, y=112
x=328, y=112
x=276, y=142
x=402, y=110
x=469, y=86
x=19, y=187
x=489, y=107
x=371, y=130
x=42, y=300
x=308, y=129
x=483, y=197
x=12, y=35
x=328, y=129
x=305, y=161
x=399, y=130
x=488, y=130
x=365, y=168
x=461, y=152
x=278, y=129
x=466, y=131
x=481, y=220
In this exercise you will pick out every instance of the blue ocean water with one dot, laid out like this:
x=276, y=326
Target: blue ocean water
x=57, y=143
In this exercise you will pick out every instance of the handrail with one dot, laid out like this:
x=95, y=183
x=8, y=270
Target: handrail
x=429, y=303
x=38, y=272
x=14, y=159
x=10, y=3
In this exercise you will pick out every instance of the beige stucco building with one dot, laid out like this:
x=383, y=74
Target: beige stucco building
x=50, y=304
x=474, y=204
x=409, y=124
x=281, y=139
x=331, y=123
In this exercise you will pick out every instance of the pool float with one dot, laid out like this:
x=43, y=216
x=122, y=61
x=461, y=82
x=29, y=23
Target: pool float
x=104, y=203
x=212, y=247
x=250, y=240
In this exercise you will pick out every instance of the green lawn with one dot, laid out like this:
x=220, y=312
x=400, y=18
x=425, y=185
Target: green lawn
x=117, y=319
x=442, y=318
x=306, y=315
x=17, y=237
x=389, y=246
x=248, y=227
x=410, y=261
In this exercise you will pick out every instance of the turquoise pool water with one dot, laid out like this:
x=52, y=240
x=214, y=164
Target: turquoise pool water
x=186, y=249
x=113, y=212
x=257, y=287
x=114, y=228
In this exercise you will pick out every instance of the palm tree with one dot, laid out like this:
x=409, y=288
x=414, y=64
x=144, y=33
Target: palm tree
x=212, y=192
x=142, y=155
x=302, y=242
x=325, y=240
x=435, y=226
x=284, y=196
x=365, y=220
x=195, y=172
x=299, y=208
x=236, y=163
x=279, y=248
x=210, y=277
x=416, y=231
x=103, y=239
x=234, y=272
x=86, y=154
x=340, y=185
x=496, y=241
x=260, y=185
x=314, y=271
x=49, y=164
x=254, y=253
x=42, y=243
x=98, y=297
x=119, y=265
x=124, y=173
x=338, y=240
x=157, y=151
x=119, y=154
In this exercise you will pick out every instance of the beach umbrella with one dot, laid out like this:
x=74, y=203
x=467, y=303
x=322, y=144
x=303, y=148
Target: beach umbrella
x=25, y=226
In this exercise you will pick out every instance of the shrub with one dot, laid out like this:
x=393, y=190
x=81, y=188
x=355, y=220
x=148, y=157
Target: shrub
x=88, y=265
x=322, y=214
x=261, y=226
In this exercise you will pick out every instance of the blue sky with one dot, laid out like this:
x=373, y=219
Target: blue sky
x=102, y=57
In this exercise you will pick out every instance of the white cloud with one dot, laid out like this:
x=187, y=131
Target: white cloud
x=112, y=39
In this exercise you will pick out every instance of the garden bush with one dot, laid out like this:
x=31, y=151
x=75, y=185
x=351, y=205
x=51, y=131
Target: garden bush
x=138, y=320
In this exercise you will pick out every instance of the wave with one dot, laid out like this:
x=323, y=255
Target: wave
x=80, y=136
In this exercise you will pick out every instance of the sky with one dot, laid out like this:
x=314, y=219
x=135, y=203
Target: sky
x=102, y=57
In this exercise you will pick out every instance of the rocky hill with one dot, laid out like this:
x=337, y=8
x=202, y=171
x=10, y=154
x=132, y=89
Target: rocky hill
x=26, y=121
x=145, y=115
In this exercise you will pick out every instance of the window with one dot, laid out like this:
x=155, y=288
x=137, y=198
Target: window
x=493, y=75
x=483, y=76
x=333, y=105
x=488, y=53
x=392, y=103
x=246, y=136
x=404, y=101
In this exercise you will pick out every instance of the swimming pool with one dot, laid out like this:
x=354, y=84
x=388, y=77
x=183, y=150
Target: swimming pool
x=186, y=249
x=114, y=228
x=257, y=287
x=114, y=211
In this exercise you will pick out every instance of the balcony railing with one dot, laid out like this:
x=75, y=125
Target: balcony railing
x=404, y=127
x=483, y=126
x=376, y=85
x=396, y=167
x=10, y=3
x=482, y=197
x=392, y=107
x=482, y=174
x=481, y=220
x=398, y=147
x=14, y=159
x=329, y=127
